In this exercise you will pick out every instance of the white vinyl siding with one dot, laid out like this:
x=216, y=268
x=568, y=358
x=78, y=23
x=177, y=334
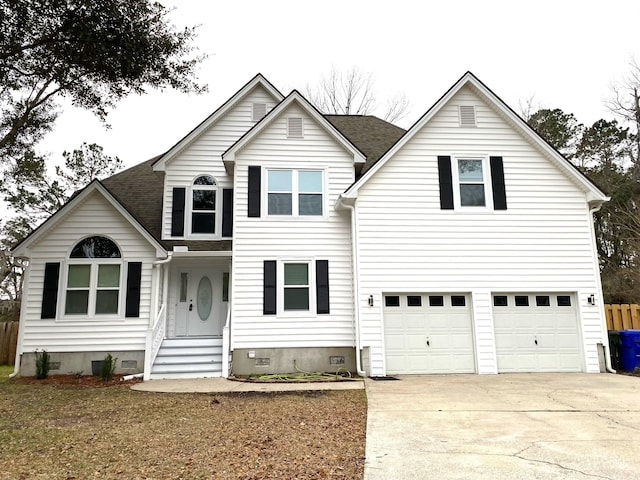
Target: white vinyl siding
x=204, y=155
x=541, y=243
x=95, y=216
x=287, y=239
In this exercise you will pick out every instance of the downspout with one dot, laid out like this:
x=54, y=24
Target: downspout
x=356, y=285
x=16, y=363
x=605, y=344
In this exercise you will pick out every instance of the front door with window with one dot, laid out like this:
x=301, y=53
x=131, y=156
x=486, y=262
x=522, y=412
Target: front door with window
x=200, y=296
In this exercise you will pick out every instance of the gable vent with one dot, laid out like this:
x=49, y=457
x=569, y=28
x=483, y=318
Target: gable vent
x=294, y=127
x=467, y=116
x=259, y=110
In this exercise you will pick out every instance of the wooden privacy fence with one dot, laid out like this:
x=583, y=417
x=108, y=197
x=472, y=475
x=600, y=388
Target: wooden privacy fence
x=623, y=317
x=8, y=342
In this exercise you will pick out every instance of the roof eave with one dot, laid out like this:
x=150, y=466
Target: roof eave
x=259, y=79
x=22, y=249
x=229, y=156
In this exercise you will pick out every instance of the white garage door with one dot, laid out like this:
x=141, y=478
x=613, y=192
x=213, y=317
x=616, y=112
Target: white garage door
x=536, y=332
x=428, y=333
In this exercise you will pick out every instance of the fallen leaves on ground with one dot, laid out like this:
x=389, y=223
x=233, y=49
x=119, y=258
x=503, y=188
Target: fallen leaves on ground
x=67, y=431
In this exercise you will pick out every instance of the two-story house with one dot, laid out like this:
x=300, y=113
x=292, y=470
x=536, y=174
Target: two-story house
x=273, y=238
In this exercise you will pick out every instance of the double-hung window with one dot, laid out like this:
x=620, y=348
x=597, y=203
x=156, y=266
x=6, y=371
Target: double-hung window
x=295, y=192
x=203, y=205
x=472, y=182
x=93, y=278
x=296, y=286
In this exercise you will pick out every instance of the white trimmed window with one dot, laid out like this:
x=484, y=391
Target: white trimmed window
x=204, y=206
x=471, y=178
x=295, y=192
x=94, y=278
x=296, y=290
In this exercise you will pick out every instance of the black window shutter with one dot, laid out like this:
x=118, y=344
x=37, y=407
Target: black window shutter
x=322, y=286
x=50, y=290
x=177, y=212
x=446, y=182
x=227, y=212
x=269, y=301
x=134, y=271
x=497, y=183
x=253, y=209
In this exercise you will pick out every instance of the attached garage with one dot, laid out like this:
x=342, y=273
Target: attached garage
x=536, y=332
x=428, y=333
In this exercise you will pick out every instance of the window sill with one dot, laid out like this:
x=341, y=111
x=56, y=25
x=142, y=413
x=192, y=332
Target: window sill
x=92, y=319
x=296, y=314
x=298, y=218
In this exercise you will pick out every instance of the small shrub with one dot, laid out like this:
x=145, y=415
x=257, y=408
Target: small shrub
x=42, y=364
x=108, y=367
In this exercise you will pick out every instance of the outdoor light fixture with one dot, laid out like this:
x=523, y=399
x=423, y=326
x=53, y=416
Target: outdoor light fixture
x=591, y=299
x=371, y=300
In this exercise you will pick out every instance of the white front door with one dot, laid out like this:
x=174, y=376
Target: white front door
x=199, y=293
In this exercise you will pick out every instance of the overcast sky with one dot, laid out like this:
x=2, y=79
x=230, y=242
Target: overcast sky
x=564, y=53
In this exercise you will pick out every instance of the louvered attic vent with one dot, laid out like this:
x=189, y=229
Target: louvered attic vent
x=259, y=110
x=467, y=116
x=294, y=127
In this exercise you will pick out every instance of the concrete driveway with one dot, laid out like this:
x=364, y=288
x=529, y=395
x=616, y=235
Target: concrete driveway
x=513, y=426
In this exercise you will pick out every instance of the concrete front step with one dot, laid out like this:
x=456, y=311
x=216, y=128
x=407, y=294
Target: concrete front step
x=188, y=358
x=187, y=368
x=192, y=342
x=188, y=351
x=176, y=376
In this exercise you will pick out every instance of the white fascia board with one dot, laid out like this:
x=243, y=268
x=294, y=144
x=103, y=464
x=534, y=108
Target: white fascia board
x=592, y=192
x=202, y=253
x=469, y=79
x=23, y=249
x=229, y=156
x=213, y=118
x=352, y=191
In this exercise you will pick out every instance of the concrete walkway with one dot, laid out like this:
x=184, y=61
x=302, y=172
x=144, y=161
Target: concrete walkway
x=221, y=385
x=517, y=426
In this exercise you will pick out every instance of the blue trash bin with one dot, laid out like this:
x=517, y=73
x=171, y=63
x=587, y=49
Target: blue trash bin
x=629, y=350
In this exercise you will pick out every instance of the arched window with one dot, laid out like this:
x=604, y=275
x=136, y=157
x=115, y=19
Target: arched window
x=203, y=205
x=94, y=278
x=95, y=247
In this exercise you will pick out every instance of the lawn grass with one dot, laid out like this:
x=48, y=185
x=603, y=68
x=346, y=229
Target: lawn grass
x=67, y=432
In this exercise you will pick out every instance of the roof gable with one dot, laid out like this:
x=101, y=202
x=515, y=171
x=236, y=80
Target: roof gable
x=494, y=102
x=22, y=249
x=256, y=82
x=293, y=98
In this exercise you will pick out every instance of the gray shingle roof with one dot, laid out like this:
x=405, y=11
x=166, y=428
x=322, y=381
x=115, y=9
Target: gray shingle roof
x=139, y=189
x=370, y=134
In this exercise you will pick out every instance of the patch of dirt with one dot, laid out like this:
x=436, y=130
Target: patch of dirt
x=75, y=380
x=68, y=427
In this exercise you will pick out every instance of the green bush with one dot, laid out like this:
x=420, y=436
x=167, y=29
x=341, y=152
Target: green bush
x=42, y=364
x=108, y=367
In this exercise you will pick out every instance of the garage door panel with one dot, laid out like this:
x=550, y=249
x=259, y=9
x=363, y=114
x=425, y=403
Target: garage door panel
x=435, y=339
x=536, y=338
